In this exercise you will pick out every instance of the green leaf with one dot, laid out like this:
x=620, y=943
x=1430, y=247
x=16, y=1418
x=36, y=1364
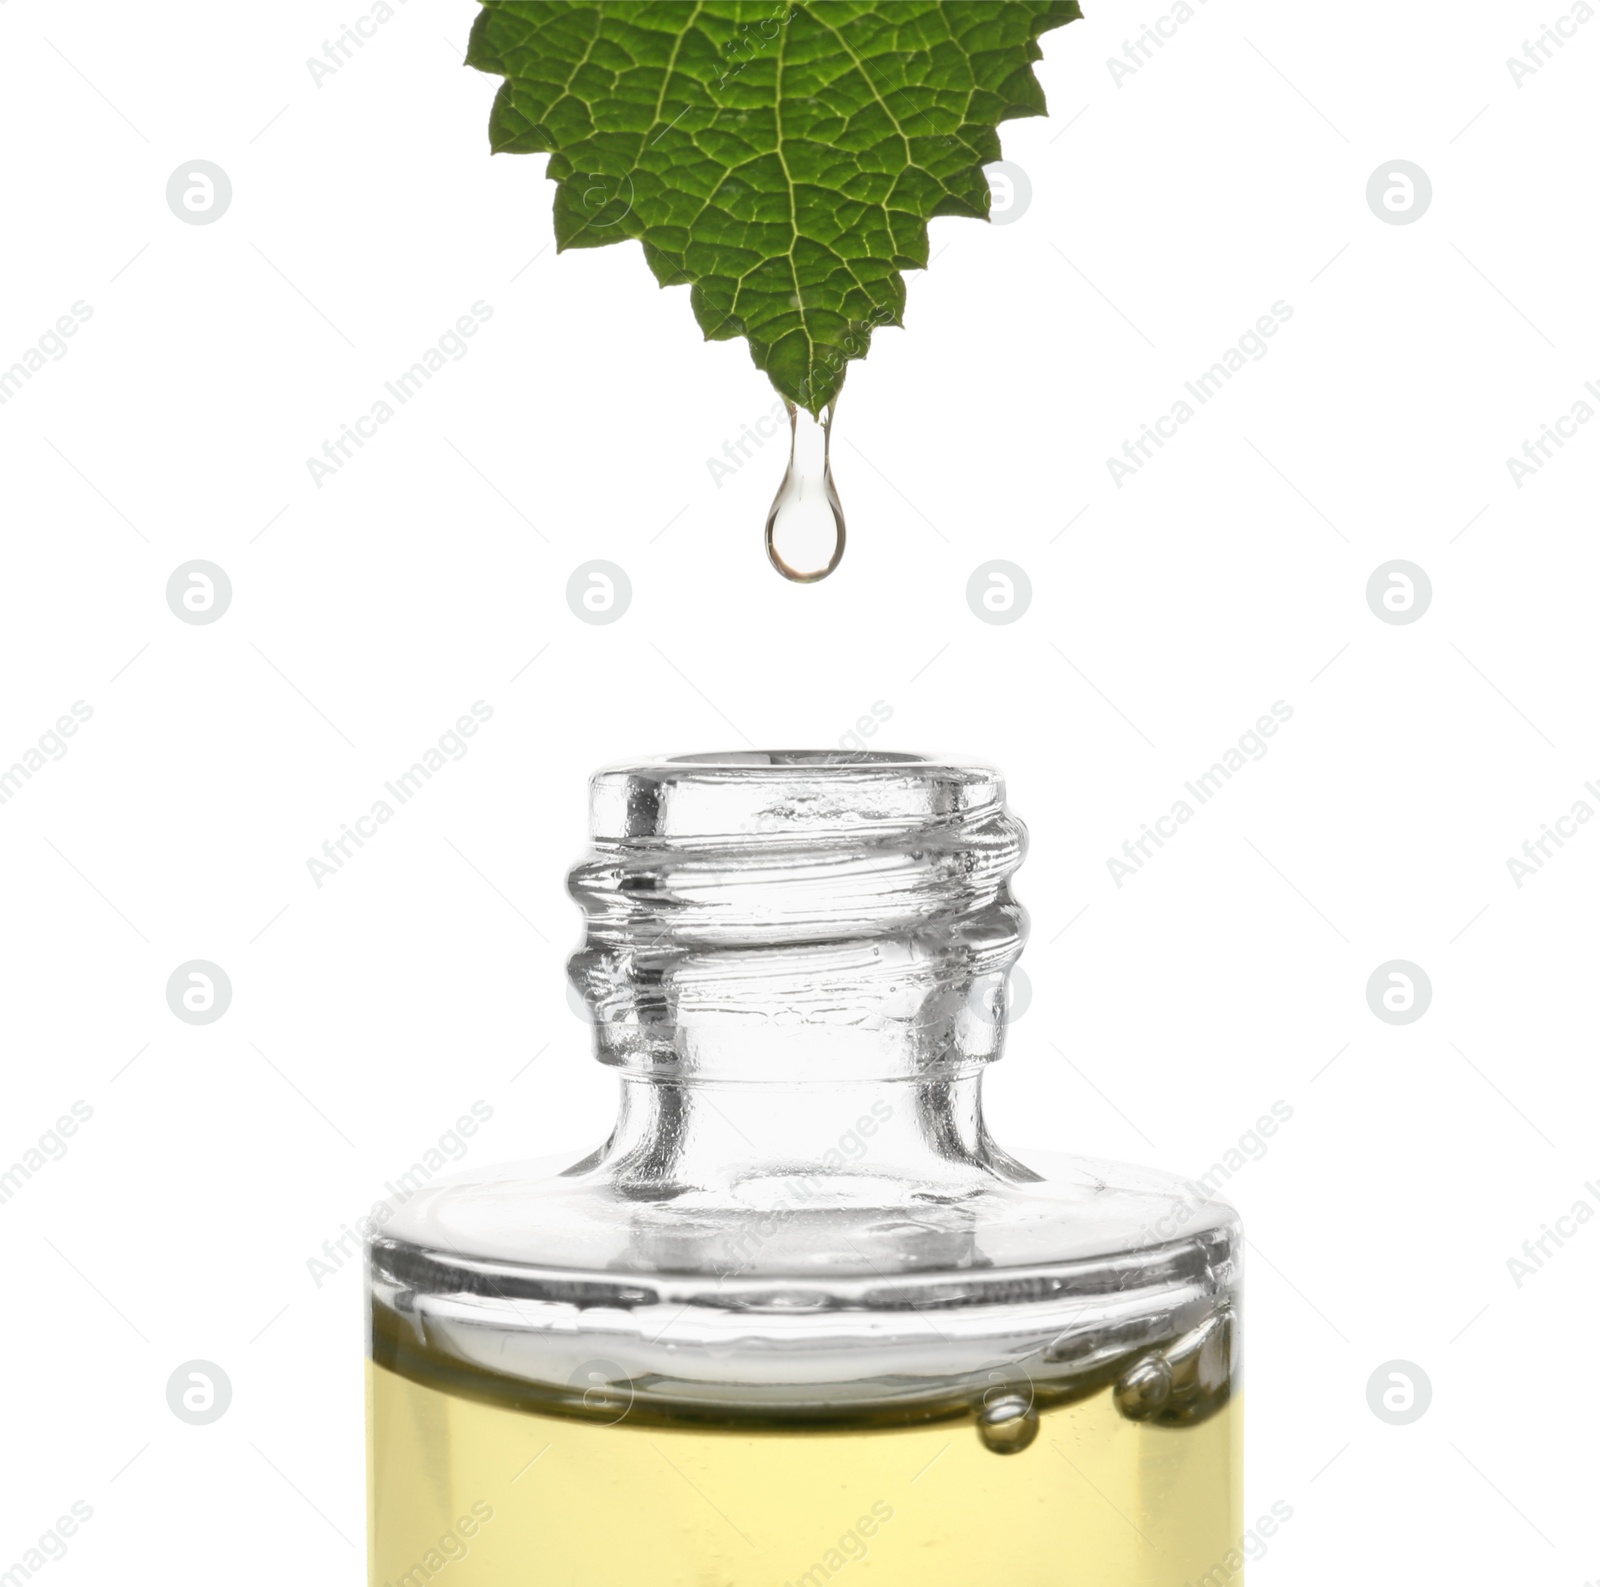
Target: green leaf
x=783, y=160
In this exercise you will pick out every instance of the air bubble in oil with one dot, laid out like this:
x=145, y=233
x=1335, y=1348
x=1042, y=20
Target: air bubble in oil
x=1008, y=1425
x=1185, y=1381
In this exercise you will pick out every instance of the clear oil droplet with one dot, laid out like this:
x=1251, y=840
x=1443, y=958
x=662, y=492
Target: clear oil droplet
x=805, y=528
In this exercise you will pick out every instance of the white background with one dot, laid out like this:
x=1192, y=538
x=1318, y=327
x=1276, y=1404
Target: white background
x=1167, y=214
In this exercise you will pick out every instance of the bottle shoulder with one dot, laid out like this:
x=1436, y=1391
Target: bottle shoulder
x=582, y=1218
x=515, y=1281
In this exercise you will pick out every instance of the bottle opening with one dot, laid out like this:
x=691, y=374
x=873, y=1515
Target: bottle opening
x=726, y=794
x=737, y=902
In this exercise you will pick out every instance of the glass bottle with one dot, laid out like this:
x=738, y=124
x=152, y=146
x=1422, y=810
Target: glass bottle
x=800, y=1314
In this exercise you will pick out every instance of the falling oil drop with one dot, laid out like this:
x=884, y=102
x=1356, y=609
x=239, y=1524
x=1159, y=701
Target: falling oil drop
x=805, y=528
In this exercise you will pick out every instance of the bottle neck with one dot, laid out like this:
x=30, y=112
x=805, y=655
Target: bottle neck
x=704, y=1133
x=879, y=1011
x=799, y=964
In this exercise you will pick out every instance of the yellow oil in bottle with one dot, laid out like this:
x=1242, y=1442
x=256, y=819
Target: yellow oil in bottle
x=496, y=1495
